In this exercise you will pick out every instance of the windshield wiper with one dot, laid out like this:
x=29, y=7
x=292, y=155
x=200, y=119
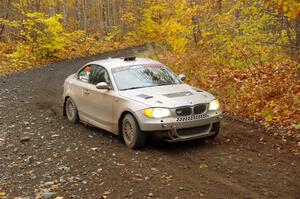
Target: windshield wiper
x=131, y=88
x=137, y=87
x=165, y=84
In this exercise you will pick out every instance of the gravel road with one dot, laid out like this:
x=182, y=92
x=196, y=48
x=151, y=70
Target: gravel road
x=43, y=155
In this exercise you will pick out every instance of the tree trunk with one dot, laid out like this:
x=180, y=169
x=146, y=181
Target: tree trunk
x=104, y=17
x=78, y=13
x=219, y=5
x=85, y=15
x=53, y=9
x=196, y=28
x=297, y=43
x=100, y=22
x=108, y=16
x=64, y=12
x=6, y=7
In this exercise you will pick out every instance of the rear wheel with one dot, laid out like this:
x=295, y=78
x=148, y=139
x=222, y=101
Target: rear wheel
x=71, y=111
x=133, y=137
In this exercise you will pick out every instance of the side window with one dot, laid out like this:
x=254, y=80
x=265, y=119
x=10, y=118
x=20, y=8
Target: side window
x=99, y=75
x=85, y=74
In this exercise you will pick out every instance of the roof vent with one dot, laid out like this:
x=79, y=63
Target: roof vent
x=129, y=58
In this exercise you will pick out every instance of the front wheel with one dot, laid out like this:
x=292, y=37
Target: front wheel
x=133, y=137
x=71, y=111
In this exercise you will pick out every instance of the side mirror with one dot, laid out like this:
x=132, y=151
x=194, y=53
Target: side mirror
x=103, y=86
x=181, y=77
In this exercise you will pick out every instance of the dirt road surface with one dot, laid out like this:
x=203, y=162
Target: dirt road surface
x=43, y=155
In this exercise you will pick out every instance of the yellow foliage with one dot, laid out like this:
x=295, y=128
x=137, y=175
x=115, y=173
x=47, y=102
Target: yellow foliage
x=43, y=34
x=167, y=22
x=291, y=8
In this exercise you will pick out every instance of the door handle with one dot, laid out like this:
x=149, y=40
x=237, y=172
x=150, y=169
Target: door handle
x=86, y=92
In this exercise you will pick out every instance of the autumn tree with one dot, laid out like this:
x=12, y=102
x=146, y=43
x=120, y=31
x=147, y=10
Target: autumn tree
x=290, y=9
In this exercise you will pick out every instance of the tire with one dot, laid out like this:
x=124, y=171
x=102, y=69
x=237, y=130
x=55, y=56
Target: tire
x=133, y=137
x=71, y=111
x=216, y=129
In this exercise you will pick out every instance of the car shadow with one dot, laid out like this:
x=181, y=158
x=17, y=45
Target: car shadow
x=199, y=144
x=160, y=145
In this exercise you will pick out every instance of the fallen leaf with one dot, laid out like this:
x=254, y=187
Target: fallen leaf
x=203, y=165
x=2, y=194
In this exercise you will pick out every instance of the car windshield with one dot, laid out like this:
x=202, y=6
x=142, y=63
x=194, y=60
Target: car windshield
x=141, y=76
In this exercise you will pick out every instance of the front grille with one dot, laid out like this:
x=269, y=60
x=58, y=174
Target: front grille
x=193, y=131
x=192, y=118
x=198, y=109
x=184, y=111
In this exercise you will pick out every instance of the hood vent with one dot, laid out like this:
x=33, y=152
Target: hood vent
x=145, y=96
x=179, y=94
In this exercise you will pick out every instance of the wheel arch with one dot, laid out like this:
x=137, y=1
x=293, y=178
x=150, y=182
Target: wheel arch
x=64, y=105
x=121, y=120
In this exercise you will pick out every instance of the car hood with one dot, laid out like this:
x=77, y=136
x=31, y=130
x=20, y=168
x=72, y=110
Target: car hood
x=169, y=96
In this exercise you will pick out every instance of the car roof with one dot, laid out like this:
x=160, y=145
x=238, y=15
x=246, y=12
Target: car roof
x=120, y=62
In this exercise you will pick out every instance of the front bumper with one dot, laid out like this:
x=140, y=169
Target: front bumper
x=177, y=128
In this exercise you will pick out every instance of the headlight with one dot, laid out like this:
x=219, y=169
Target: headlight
x=157, y=112
x=214, y=105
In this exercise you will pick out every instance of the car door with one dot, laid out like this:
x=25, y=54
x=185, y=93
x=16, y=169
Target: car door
x=100, y=107
x=81, y=87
